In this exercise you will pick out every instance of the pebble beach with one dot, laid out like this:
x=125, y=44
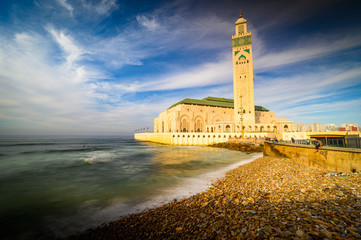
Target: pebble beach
x=269, y=198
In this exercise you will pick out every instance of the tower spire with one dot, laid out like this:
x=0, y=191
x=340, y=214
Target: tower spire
x=243, y=89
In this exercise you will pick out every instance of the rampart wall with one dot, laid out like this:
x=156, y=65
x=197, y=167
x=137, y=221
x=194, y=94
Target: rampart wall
x=191, y=139
x=332, y=158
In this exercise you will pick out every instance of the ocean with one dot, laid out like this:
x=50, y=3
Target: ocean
x=55, y=186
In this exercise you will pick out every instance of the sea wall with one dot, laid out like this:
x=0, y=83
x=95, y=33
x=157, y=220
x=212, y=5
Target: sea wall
x=191, y=139
x=332, y=158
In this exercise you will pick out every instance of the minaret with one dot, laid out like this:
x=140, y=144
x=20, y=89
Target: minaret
x=243, y=90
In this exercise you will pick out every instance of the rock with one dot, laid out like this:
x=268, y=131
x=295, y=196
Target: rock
x=309, y=214
x=314, y=233
x=244, y=230
x=252, y=212
x=299, y=233
x=325, y=234
x=179, y=229
x=354, y=234
x=319, y=222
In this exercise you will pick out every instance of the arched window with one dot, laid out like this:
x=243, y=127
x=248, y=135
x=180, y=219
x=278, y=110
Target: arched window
x=285, y=128
x=228, y=128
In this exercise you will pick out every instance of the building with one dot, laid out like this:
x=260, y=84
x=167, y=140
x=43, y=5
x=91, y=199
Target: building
x=301, y=127
x=331, y=127
x=349, y=127
x=315, y=127
x=216, y=115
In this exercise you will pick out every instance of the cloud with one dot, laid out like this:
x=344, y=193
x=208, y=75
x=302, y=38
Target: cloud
x=323, y=95
x=36, y=89
x=148, y=22
x=104, y=7
x=303, y=87
x=67, y=44
x=313, y=47
x=66, y=5
x=208, y=74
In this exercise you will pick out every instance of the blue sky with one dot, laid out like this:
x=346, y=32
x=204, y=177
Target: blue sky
x=110, y=67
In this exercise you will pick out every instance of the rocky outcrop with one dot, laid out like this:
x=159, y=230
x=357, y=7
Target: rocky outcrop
x=239, y=146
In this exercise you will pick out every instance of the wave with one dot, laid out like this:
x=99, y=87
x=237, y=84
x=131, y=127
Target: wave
x=26, y=144
x=101, y=157
x=88, y=149
x=193, y=185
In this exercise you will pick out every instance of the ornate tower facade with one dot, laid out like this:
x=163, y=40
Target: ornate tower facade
x=243, y=90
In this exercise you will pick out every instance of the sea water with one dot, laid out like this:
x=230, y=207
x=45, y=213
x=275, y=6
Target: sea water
x=55, y=186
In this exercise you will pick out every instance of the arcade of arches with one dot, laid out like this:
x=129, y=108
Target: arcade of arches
x=200, y=117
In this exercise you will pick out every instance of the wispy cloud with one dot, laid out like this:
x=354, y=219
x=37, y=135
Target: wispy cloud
x=66, y=5
x=73, y=51
x=148, y=22
x=104, y=7
x=302, y=87
x=306, y=49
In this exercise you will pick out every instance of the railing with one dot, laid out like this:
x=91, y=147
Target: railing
x=349, y=142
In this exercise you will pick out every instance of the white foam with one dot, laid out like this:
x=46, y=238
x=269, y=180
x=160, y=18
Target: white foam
x=96, y=157
x=194, y=185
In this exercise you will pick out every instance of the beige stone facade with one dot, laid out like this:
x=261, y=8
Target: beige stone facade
x=188, y=117
x=220, y=115
x=215, y=115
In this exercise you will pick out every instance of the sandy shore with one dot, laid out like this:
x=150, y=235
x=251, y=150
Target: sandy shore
x=269, y=198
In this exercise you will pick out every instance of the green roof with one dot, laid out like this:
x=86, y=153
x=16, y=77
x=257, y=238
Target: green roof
x=214, y=102
x=260, y=108
x=218, y=99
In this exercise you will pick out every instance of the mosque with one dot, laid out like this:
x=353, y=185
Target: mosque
x=222, y=115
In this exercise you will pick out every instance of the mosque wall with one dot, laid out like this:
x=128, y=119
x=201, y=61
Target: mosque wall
x=191, y=139
x=192, y=118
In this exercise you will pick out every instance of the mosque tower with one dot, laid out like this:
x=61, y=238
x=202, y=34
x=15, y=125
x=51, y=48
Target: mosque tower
x=243, y=91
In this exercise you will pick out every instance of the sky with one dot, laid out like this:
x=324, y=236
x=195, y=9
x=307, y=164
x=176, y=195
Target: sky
x=109, y=67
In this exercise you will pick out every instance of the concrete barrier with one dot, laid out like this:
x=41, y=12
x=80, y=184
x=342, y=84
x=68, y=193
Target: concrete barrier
x=192, y=139
x=332, y=158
